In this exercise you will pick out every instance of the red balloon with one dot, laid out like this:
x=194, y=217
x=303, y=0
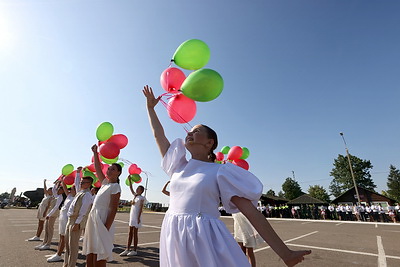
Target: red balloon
x=97, y=184
x=241, y=163
x=70, y=178
x=91, y=168
x=181, y=109
x=109, y=150
x=171, y=79
x=235, y=152
x=60, y=177
x=220, y=156
x=120, y=139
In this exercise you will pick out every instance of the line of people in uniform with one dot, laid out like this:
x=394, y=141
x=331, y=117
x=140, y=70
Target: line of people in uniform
x=343, y=212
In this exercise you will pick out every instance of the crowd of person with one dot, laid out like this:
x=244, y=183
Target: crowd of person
x=342, y=212
x=197, y=186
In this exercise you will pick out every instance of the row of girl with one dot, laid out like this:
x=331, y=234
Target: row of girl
x=191, y=232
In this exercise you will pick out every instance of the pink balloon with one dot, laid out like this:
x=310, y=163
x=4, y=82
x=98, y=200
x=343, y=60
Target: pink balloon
x=171, y=79
x=138, y=171
x=109, y=150
x=235, y=152
x=132, y=169
x=220, y=156
x=120, y=139
x=241, y=163
x=104, y=168
x=181, y=109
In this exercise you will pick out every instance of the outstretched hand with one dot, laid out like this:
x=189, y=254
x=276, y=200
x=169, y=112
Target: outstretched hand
x=94, y=148
x=296, y=257
x=151, y=100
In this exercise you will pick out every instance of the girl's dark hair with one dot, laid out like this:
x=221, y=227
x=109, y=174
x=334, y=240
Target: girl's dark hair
x=141, y=186
x=211, y=134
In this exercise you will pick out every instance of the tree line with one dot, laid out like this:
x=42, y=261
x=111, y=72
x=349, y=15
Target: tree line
x=342, y=181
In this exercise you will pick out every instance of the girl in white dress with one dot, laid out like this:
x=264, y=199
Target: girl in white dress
x=135, y=220
x=191, y=233
x=246, y=236
x=99, y=231
x=43, y=209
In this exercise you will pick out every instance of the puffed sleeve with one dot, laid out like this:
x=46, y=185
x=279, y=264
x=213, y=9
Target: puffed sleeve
x=236, y=181
x=115, y=189
x=175, y=157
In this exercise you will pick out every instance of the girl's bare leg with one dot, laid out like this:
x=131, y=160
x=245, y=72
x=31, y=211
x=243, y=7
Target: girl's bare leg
x=128, y=246
x=40, y=228
x=61, y=245
x=135, y=238
x=251, y=257
x=90, y=260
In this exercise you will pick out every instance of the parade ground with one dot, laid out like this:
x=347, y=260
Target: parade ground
x=333, y=243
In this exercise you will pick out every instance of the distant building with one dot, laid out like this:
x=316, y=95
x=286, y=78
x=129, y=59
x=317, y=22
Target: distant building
x=366, y=197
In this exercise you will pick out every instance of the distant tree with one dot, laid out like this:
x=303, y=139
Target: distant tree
x=342, y=179
x=291, y=189
x=271, y=193
x=4, y=195
x=281, y=194
x=393, y=183
x=319, y=192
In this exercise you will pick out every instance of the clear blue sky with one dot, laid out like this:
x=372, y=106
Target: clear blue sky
x=296, y=74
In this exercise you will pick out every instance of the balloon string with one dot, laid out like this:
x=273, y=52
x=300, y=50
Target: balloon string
x=171, y=110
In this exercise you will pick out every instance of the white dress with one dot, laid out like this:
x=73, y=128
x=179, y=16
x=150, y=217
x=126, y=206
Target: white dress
x=191, y=233
x=63, y=219
x=98, y=240
x=133, y=215
x=244, y=232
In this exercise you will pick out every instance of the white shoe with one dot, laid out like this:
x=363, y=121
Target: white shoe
x=55, y=258
x=81, y=239
x=44, y=247
x=132, y=253
x=35, y=238
x=39, y=246
x=124, y=253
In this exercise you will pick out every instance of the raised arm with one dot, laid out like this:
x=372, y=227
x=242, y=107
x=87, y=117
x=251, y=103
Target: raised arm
x=263, y=227
x=158, y=130
x=45, y=188
x=77, y=181
x=131, y=187
x=64, y=186
x=164, y=190
x=97, y=164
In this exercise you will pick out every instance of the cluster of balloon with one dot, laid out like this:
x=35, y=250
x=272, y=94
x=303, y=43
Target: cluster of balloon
x=201, y=85
x=134, y=175
x=69, y=174
x=236, y=155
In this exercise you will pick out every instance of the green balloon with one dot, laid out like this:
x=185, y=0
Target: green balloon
x=121, y=164
x=225, y=150
x=69, y=185
x=90, y=174
x=104, y=131
x=109, y=161
x=192, y=54
x=203, y=85
x=133, y=177
x=67, y=169
x=245, y=153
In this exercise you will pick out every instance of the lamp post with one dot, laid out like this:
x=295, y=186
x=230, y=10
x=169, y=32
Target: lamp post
x=351, y=169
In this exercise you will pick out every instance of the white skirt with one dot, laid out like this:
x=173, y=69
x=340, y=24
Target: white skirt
x=244, y=232
x=62, y=223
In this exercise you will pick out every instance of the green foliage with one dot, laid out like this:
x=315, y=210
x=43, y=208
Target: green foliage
x=291, y=189
x=342, y=179
x=319, y=192
x=4, y=195
x=281, y=194
x=393, y=183
x=271, y=193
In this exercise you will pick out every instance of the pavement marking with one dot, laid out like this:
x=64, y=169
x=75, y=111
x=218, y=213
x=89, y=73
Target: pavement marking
x=289, y=240
x=391, y=231
x=343, y=251
x=381, y=252
x=376, y=225
x=339, y=223
x=307, y=222
x=25, y=224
